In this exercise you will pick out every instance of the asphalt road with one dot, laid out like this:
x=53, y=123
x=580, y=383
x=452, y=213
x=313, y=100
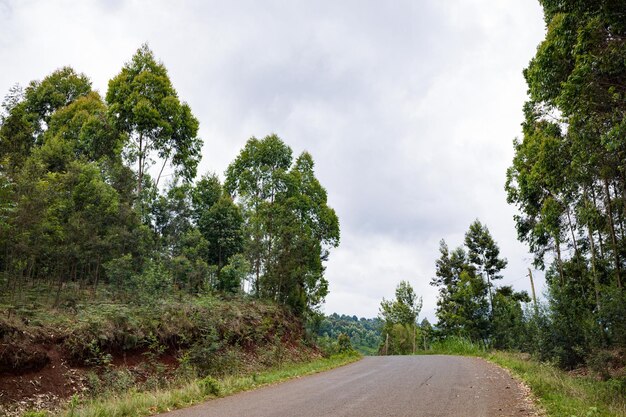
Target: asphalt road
x=383, y=386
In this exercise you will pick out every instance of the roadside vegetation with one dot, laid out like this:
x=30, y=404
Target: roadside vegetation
x=138, y=403
x=122, y=268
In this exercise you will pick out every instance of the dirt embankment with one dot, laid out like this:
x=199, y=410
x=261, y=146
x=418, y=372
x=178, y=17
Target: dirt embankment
x=44, y=363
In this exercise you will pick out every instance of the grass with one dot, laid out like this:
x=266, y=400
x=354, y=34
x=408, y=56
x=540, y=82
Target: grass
x=558, y=393
x=563, y=395
x=455, y=346
x=133, y=403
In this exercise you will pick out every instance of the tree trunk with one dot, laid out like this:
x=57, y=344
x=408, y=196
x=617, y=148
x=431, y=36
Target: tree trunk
x=161, y=171
x=140, y=167
x=571, y=229
x=600, y=241
x=557, y=246
x=594, y=270
x=612, y=229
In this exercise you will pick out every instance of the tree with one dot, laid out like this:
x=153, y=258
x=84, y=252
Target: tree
x=508, y=325
x=219, y=220
x=306, y=228
x=221, y=226
x=484, y=254
x=289, y=226
x=568, y=175
x=145, y=106
x=463, y=304
x=255, y=178
x=400, y=319
x=27, y=113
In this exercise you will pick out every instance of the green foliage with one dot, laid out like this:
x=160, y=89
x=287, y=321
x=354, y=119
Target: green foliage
x=399, y=318
x=404, y=309
x=508, y=325
x=567, y=179
x=127, y=264
x=35, y=414
x=343, y=343
x=74, y=213
x=563, y=394
x=210, y=386
x=454, y=345
x=462, y=307
x=469, y=307
x=145, y=106
x=289, y=227
x=364, y=333
x=231, y=277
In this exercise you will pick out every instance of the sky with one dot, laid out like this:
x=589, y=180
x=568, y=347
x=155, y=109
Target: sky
x=409, y=108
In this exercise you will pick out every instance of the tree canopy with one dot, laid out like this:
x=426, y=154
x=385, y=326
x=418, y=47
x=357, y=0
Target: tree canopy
x=80, y=206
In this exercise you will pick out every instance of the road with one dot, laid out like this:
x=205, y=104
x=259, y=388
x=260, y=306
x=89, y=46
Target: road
x=399, y=386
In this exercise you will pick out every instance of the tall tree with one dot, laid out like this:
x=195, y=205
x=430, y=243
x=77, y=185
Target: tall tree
x=146, y=107
x=568, y=176
x=289, y=226
x=484, y=253
x=399, y=318
x=255, y=178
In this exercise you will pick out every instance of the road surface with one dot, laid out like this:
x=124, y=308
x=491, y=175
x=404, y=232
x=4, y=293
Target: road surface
x=399, y=386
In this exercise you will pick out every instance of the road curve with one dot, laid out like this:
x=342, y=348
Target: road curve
x=399, y=386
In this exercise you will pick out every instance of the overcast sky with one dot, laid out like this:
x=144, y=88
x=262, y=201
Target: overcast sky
x=409, y=108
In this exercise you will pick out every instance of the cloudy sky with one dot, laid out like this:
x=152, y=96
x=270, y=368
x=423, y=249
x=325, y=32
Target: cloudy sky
x=409, y=108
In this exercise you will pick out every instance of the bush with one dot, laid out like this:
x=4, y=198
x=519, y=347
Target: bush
x=453, y=345
x=600, y=362
x=343, y=343
x=210, y=386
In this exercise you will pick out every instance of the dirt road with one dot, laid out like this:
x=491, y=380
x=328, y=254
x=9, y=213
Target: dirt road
x=383, y=386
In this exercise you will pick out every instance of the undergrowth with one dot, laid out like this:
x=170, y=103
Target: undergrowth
x=135, y=403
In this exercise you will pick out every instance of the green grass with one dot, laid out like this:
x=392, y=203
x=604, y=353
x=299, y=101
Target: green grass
x=564, y=395
x=455, y=346
x=133, y=403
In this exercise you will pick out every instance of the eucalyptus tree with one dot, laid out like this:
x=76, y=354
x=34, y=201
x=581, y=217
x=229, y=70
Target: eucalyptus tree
x=255, y=178
x=484, y=254
x=399, y=317
x=462, y=305
x=288, y=224
x=27, y=113
x=145, y=106
x=568, y=176
x=306, y=229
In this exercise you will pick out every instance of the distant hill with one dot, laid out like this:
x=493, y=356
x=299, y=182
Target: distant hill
x=364, y=333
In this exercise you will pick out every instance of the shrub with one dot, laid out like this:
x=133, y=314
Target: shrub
x=343, y=343
x=210, y=386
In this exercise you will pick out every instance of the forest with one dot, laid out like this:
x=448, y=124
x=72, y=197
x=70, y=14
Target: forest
x=364, y=333
x=83, y=203
x=112, y=250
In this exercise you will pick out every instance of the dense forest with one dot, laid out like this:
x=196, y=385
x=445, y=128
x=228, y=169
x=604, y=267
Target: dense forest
x=83, y=204
x=364, y=333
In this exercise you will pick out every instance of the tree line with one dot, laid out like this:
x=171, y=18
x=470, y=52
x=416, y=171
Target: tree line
x=364, y=333
x=470, y=305
x=83, y=202
x=568, y=182
x=568, y=177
